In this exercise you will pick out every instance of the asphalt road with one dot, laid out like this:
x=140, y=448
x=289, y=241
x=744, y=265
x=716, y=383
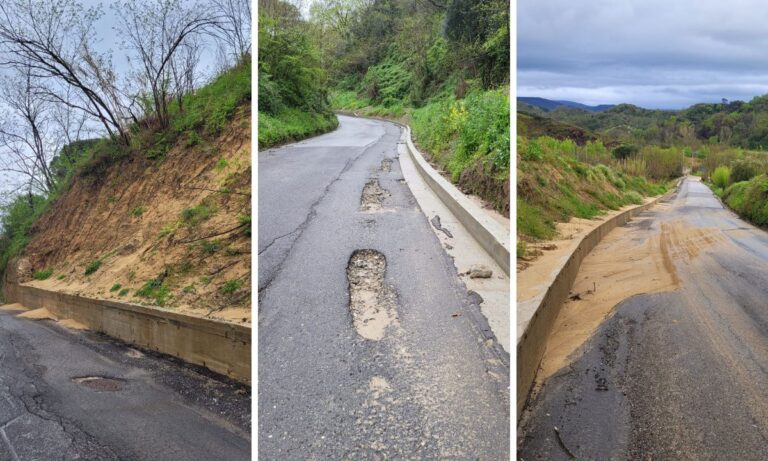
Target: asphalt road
x=435, y=387
x=677, y=375
x=153, y=408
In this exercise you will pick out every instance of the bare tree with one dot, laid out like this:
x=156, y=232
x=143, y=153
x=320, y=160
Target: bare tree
x=54, y=38
x=25, y=140
x=156, y=31
x=233, y=26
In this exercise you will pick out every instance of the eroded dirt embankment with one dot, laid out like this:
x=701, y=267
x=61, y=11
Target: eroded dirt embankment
x=173, y=232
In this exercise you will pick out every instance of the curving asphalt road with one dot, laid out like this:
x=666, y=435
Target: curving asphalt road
x=435, y=387
x=675, y=375
x=151, y=407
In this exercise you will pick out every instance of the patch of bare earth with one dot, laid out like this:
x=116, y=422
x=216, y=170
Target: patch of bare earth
x=371, y=302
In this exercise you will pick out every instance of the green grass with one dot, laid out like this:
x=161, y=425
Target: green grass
x=155, y=290
x=749, y=199
x=92, y=267
x=554, y=185
x=209, y=108
x=43, y=274
x=231, y=286
x=292, y=124
x=115, y=287
x=137, y=212
x=195, y=215
x=123, y=292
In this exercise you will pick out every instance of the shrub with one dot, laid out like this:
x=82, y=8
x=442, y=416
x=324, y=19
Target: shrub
x=115, y=287
x=721, y=177
x=138, y=211
x=92, y=267
x=231, y=286
x=746, y=169
x=196, y=215
x=123, y=292
x=154, y=289
x=43, y=274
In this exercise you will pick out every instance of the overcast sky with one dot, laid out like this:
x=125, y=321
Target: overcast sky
x=653, y=53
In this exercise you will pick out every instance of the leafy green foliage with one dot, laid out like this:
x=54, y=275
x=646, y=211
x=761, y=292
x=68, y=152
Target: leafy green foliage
x=43, y=274
x=577, y=188
x=209, y=108
x=123, y=292
x=721, y=177
x=197, y=214
x=231, y=286
x=137, y=212
x=749, y=199
x=115, y=287
x=155, y=290
x=92, y=267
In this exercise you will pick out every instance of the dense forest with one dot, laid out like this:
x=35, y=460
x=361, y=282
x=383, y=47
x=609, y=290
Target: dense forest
x=441, y=66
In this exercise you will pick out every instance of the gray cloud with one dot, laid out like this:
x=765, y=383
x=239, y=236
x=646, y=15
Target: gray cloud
x=653, y=53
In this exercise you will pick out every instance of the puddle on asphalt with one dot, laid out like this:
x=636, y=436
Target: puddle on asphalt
x=371, y=302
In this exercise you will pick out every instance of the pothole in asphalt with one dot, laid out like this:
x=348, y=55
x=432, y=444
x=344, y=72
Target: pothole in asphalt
x=373, y=196
x=386, y=165
x=100, y=383
x=371, y=302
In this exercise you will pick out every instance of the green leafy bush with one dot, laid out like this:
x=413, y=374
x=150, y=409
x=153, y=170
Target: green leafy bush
x=154, y=289
x=721, y=177
x=43, y=274
x=92, y=267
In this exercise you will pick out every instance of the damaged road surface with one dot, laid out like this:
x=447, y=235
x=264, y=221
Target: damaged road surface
x=679, y=369
x=370, y=346
x=67, y=394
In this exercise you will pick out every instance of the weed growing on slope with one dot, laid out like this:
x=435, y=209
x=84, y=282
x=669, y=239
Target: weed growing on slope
x=154, y=289
x=231, y=286
x=43, y=274
x=115, y=287
x=92, y=267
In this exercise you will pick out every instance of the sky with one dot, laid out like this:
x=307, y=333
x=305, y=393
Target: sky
x=652, y=53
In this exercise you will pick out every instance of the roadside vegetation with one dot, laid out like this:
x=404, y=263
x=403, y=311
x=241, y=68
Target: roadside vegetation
x=293, y=97
x=722, y=143
x=559, y=179
x=70, y=117
x=440, y=66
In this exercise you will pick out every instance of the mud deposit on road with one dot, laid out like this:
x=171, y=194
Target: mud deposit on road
x=629, y=261
x=373, y=196
x=371, y=302
x=386, y=165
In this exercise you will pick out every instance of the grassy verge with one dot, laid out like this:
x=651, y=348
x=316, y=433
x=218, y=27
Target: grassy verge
x=468, y=138
x=554, y=185
x=292, y=125
x=749, y=199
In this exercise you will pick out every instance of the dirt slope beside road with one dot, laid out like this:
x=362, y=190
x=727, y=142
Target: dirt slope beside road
x=172, y=232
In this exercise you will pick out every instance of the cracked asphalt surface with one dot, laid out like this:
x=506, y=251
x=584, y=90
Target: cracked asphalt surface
x=164, y=409
x=677, y=375
x=436, y=386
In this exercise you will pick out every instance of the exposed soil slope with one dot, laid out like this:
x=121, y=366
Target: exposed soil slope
x=173, y=232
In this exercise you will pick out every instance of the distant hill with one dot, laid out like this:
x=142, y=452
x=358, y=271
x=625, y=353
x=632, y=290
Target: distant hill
x=548, y=104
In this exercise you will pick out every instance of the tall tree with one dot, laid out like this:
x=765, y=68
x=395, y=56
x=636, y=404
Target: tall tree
x=156, y=31
x=54, y=39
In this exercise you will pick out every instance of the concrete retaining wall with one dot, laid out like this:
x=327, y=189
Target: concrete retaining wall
x=530, y=346
x=219, y=346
